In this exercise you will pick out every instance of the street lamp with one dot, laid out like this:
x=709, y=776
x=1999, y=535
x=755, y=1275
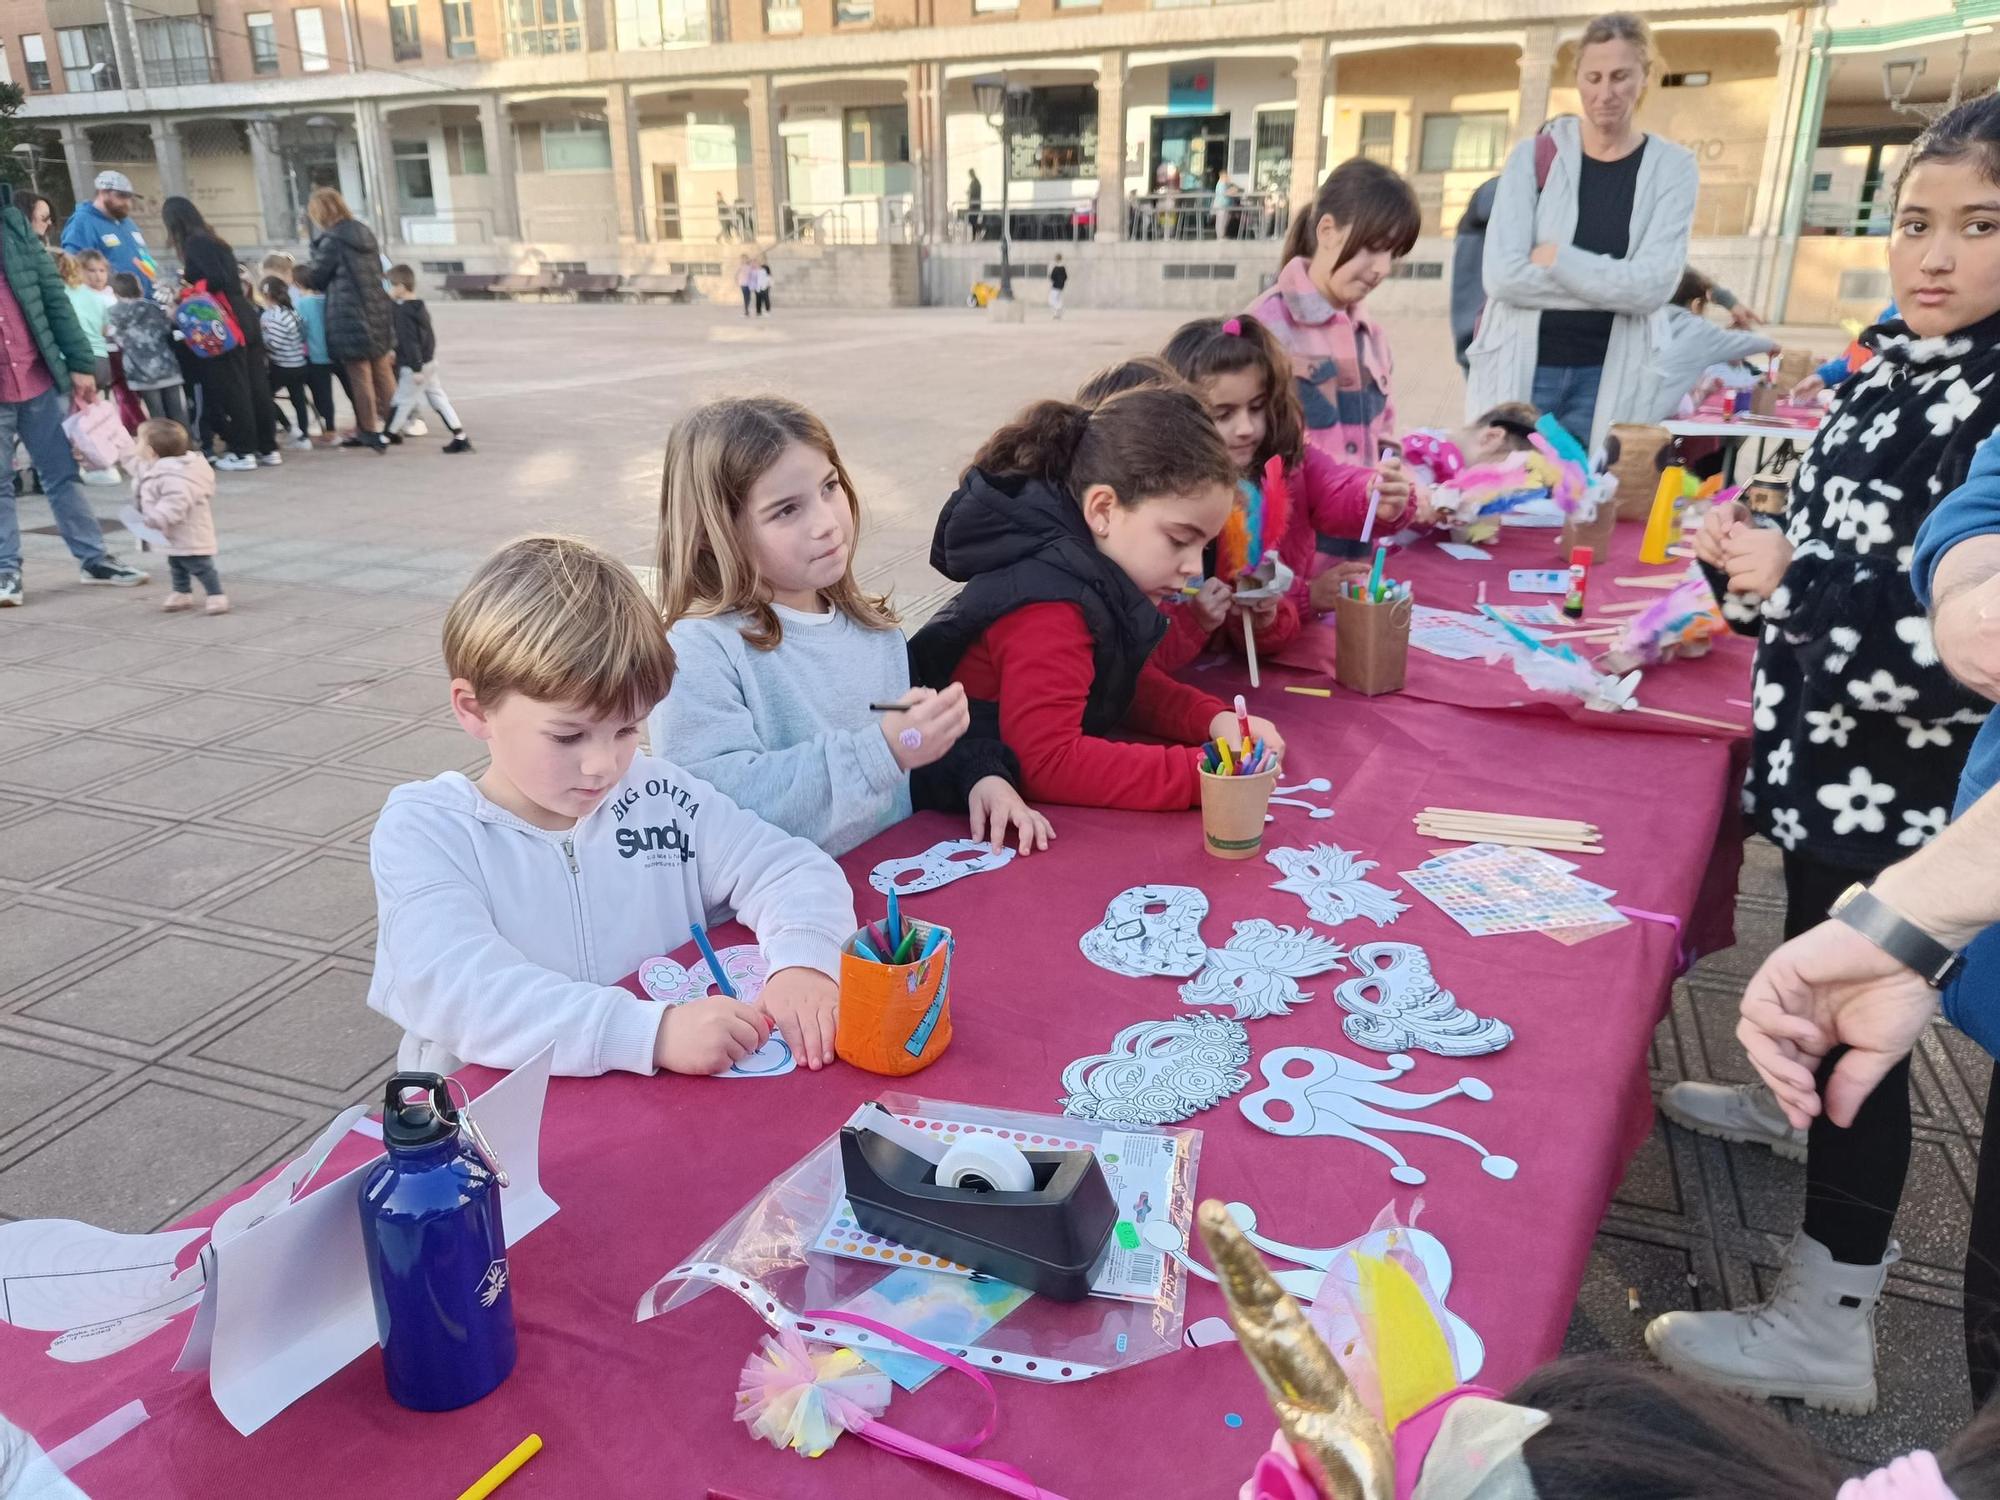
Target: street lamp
x=996, y=99
x=30, y=158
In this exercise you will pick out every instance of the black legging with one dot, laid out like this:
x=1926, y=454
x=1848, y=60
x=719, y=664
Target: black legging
x=242, y=413
x=1982, y=1259
x=291, y=379
x=319, y=380
x=1855, y=1176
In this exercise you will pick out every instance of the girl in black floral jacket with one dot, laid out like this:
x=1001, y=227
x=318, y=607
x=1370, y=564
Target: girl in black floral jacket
x=1859, y=732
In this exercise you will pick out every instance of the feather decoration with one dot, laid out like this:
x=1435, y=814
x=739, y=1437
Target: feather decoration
x=1256, y=523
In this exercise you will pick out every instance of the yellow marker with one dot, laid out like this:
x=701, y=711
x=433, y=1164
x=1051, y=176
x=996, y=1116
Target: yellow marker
x=501, y=1472
x=1660, y=526
x=1310, y=692
x=1228, y=769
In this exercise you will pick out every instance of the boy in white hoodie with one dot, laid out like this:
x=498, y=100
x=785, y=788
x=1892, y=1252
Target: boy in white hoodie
x=510, y=907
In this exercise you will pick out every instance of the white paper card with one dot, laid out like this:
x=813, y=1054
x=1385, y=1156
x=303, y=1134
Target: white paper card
x=1465, y=552
x=292, y=1301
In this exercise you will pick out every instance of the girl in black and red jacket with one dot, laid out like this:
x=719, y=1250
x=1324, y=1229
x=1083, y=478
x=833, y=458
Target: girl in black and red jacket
x=1069, y=530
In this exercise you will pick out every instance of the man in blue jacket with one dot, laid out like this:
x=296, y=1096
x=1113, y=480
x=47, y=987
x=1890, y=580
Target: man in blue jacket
x=105, y=224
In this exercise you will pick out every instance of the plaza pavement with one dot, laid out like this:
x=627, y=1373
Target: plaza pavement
x=186, y=919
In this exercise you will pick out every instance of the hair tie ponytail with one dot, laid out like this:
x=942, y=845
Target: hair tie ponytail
x=1233, y=327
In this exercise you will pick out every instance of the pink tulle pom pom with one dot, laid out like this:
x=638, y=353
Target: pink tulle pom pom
x=804, y=1399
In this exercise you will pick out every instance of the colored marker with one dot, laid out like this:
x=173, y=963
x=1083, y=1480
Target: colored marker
x=1228, y=769
x=890, y=708
x=1310, y=692
x=865, y=948
x=931, y=944
x=903, y=949
x=1375, y=573
x=895, y=927
x=714, y=964
x=501, y=1472
x=1243, y=718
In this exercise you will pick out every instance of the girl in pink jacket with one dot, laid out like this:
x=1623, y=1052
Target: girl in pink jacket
x=1242, y=375
x=172, y=488
x=1364, y=219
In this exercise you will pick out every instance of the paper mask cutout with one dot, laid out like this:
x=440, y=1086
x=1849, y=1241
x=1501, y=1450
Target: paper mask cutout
x=672, y=983
x=1150, y=929
x=1166, y=1238
x=1256, y=973
x=1396, y=1003
x=1158, y=1072
x=941, y=864
x=1339, y=1097
x=1330, y=881
x=1288, y=796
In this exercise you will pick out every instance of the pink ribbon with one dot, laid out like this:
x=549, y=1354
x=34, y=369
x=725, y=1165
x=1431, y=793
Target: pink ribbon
x=1684, y=955
x=1233, y=327
x=953, y=1455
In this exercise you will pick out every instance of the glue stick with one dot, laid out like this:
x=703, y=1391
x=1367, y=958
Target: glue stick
x=1579, y=575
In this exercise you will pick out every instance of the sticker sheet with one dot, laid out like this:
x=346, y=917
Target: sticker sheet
x=1331, y=881
x=939, y=1309
x=1158, y=1072
x=672, y=983
x=1459, y=637
x=1138, y=1168
x=1256, y=973
x=1150, y=930
x=941, y=864
x=1489, y=889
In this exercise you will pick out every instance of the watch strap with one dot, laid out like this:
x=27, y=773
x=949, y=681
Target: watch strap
x=1895, y=935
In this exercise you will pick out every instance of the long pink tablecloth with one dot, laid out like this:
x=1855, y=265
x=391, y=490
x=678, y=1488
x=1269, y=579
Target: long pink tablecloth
x=645, y=1168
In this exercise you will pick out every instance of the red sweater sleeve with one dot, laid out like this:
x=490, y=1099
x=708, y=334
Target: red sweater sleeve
x=1040, y=664
x=1169, y=709
x=1183, y=642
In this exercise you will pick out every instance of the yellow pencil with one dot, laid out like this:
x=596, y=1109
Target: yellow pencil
x=1310, y=692
x=501, y=1472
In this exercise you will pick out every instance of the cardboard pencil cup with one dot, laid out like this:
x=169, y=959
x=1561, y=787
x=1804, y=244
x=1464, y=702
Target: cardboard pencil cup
x=1371, y=644
x=1595, y=533
x=1232, y=812
x=895, y=1018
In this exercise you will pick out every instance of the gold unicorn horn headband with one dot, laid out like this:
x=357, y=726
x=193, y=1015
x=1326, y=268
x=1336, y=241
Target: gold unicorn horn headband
x=1340, y=1446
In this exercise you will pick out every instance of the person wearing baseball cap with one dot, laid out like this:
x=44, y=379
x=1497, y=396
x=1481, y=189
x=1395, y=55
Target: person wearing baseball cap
x=105, y=224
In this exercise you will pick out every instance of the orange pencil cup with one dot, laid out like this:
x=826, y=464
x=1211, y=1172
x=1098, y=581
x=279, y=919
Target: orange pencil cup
x=1232, y=812
x=895, y=1018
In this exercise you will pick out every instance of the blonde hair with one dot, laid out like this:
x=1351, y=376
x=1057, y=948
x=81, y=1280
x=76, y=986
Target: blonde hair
x=68, y=269
x=165, y=438
x=1619, y=26
x=715, y=454
x=558, y=621
x=90, y=258
x=327, y=208
x=277, y=263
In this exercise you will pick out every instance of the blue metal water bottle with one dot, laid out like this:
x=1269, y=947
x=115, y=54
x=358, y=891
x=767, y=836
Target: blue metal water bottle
x=437, y=1256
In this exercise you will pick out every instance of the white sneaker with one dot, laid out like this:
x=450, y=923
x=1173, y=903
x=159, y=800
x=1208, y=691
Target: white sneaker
x=270, y=460
x=1744, y=1112
x=415, y=428
x=235, y=463
x=1814, y=1341
x=102, y=476
x=300, y=443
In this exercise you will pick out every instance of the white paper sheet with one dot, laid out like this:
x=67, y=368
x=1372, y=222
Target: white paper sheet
x=292, y=1301
x=1465, y=552
x=135, y=523
x=62, y=1274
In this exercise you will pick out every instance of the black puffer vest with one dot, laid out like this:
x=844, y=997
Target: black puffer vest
x=1015, y=541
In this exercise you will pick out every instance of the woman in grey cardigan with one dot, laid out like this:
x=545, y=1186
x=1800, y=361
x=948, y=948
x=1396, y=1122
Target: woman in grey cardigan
x=1582, y=248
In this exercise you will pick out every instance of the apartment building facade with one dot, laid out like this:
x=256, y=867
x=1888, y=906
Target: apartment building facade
x=1159, y=145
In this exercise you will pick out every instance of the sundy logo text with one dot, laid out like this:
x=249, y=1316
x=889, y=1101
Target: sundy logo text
x=662, y=840
x=493, y=1283
x=671, y=840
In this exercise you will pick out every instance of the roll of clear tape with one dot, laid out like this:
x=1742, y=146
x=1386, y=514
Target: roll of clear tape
x=986, y=1164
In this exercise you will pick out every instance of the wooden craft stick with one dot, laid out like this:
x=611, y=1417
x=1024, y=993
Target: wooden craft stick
x=1310, y=692
x=1250, y=648
x=1629, y=607
x=1473, y=815
x=1668, y=713
x=1511, y=840
x=1586, y=635
x=1652, y=581
x=1571, y=835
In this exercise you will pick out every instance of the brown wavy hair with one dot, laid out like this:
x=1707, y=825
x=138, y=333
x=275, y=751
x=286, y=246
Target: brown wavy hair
x=1143, y=443
x=1373, y=203
x=1126, y=375
x=715, y=454
x=1207, y=347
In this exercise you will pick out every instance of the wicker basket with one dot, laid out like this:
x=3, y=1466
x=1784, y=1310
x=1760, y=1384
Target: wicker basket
x=1638, y=468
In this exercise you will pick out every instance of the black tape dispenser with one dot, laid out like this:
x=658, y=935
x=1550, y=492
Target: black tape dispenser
x=1035, y=1219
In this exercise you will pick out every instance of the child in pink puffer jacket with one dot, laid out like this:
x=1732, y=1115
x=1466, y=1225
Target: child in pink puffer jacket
x=172, y=488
